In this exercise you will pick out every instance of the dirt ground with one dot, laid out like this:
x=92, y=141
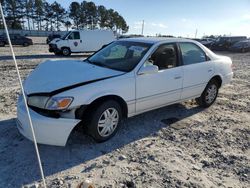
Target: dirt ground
x=204, y=148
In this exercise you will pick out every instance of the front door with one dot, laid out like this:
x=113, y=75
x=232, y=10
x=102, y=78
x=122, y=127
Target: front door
x=75, y=42
x=163, y=87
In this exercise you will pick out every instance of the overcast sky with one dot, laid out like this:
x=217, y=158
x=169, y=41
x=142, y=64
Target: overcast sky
x=182, y=17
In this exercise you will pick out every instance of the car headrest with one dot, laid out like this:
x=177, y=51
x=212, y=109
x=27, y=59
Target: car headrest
x=168, y=51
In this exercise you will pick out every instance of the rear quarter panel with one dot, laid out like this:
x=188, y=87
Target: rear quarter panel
x=223, y=68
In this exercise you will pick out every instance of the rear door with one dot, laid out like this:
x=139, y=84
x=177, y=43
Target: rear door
x=197, y=69
x=74, y=41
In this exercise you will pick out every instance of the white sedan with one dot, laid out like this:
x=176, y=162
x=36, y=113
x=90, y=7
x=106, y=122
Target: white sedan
x=123, y=79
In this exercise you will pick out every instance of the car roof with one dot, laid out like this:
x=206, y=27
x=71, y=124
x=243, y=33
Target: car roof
x=233, y=37
x=154, y=40
x=243, y=41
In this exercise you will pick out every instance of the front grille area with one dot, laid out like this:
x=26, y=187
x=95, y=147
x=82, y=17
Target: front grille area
x=52, y=45
x=47, y=113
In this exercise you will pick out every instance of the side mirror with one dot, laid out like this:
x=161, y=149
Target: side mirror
x=148, y=69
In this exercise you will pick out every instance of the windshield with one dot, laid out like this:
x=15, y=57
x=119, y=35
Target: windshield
x=64, y=36
x=120, y=55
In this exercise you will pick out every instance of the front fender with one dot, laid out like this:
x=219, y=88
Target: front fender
x=122, y=86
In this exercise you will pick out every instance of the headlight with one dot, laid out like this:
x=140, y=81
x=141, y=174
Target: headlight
x=59, y=103
x=38, y=101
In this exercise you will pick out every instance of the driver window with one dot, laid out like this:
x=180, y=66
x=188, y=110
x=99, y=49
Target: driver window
x=74, y=36
x=164, y=57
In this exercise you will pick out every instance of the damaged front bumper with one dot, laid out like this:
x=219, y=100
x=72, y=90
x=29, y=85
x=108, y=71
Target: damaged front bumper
x=53, y=48
x=51, y=131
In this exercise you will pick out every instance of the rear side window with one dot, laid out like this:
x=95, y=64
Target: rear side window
x=191, y=53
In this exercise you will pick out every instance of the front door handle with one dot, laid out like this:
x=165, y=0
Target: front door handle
x=210, y=70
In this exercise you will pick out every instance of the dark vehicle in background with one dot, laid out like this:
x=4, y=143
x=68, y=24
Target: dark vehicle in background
x=16, y=39
x=205, y=41
x=224, y=43
x=242, y=46
x=51, y=37
x=208, y=42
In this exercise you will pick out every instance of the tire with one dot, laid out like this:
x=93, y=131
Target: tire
x=104, y=121
x=66, y=51
x=25, y=44
x=209, y=95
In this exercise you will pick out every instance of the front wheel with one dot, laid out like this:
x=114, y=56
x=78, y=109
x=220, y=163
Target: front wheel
x=209, y=95
x=66, y=51
x=104, y=121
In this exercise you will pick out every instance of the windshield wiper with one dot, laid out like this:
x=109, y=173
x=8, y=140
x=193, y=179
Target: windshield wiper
x=95, y=63
x=87, y=61
x=100, y=64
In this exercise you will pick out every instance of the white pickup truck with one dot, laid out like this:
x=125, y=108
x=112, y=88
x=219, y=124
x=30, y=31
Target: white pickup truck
x=123, y=79
x=81, y=41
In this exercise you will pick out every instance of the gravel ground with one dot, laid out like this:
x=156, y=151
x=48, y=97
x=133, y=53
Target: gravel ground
x=180, y=145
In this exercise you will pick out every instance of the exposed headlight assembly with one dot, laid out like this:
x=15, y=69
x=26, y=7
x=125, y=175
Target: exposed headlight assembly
x=38, y=101
x=59, y=103
x=50, y=103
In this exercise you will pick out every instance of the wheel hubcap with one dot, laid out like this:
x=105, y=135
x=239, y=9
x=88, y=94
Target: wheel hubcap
x=108, y=122
x=211, y=93
x=65, y=52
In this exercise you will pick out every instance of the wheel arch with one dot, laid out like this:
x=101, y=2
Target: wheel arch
x=65, y=47
x=218, y=79
x=86, y=109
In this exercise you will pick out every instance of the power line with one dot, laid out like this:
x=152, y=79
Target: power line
x=24, y=97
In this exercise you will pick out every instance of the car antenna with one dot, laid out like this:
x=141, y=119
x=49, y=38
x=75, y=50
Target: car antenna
x=24, y=97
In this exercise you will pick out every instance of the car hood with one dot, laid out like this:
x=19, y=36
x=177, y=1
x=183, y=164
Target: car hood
x=55, y=75
x=55, y=40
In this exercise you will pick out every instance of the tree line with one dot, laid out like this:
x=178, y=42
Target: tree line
x=41, y=15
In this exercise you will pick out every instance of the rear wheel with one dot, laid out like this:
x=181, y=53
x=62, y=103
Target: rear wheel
x=104, y=121
x=209, y=95
x=66, y=51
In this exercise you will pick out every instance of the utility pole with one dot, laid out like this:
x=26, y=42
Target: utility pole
x=196, y=31
x=142, y=29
